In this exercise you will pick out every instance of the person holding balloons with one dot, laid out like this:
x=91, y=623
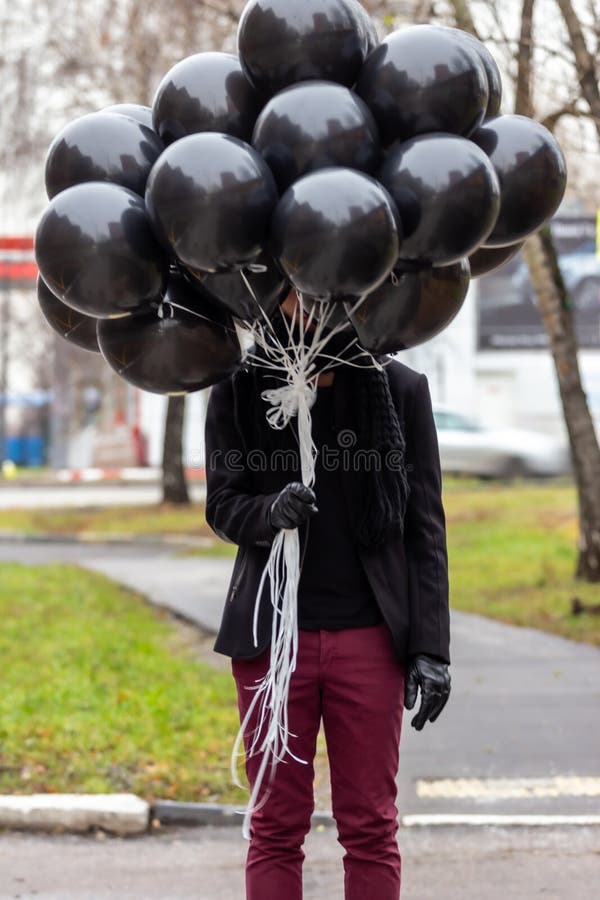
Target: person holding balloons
x=372, y=602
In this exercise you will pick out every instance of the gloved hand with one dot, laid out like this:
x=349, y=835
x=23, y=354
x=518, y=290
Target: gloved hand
x=293, y=506
x=432, y=676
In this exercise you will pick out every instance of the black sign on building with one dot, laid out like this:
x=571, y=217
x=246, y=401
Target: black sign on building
x=507, y=312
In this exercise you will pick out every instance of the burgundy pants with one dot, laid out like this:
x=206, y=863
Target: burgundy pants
x=352, y=681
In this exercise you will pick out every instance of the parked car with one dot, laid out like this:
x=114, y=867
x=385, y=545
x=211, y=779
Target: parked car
x=469, y=448
x=581, y=273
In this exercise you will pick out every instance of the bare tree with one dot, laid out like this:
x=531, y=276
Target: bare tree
x=553, y=300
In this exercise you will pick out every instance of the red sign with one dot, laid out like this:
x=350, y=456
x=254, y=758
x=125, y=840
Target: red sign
x=16, y=258
x=10, y=242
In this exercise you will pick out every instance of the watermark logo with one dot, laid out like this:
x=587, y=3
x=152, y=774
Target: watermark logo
x=345, y=455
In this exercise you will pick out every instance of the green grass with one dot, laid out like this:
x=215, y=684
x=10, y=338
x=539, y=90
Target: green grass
x=100, y=692
x=512, y=556
x=143, y=520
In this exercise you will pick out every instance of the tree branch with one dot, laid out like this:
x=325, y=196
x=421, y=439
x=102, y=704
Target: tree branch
x=523, y=101
x=464, y=17
x=584, y=61
x=569, y=109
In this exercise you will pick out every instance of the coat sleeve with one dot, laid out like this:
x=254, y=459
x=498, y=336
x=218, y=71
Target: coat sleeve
x=233, y=510
x=425, y=533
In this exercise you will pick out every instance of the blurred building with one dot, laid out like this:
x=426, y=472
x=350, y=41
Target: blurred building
x=64, y=406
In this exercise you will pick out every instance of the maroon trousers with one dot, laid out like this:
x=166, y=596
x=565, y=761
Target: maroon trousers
x=352, y=680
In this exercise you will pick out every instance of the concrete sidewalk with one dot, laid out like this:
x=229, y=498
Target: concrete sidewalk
x=207, y=863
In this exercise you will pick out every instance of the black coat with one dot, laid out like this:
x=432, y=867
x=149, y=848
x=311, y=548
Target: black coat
x=408, y=575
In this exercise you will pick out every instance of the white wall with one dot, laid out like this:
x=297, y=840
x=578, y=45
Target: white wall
x=449, y=360
x=502, y=388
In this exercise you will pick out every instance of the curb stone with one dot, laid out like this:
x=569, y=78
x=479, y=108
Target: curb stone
x=128, y=814
x=120, y=814
x=172, y=812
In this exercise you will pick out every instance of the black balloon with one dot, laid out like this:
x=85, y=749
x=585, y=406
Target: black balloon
x=315, y=125
x=282, y=42
x=411, y=307
x=486, y=259
x=490, y=65
x=205, y=92
x=335, y=234
x=421, y=80
x=142, y=114
x=169, y=350
x=532, y=172
x=73, y=326
x=96, y=251
x=447, y=194
x=267, y=290
x=103, y=146
x=211, y=198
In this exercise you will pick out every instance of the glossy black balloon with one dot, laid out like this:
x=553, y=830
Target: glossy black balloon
x=205, y=92
x=96, y=251
x=74, y=327
x=421, y=80
x=532, y=172
x=490, y=65
x=486, y=259
x=103, y=146
x=211, y=198
x=335, y=234
x=142, y=114
x=315, y=125
x=177, y=352
x=282, y=42
x=411, y=307
x=267, y=290
x=447, y=194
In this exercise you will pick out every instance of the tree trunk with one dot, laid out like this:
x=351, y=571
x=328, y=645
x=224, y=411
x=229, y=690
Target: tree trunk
x=555, y=307
x=557, y=314
x=558, y=320
x=584, y=61
x=174, y=484
x=523, y=101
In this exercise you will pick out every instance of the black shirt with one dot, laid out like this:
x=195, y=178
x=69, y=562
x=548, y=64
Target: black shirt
x=331, y=596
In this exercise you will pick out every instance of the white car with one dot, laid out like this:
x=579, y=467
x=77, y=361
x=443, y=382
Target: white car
x=469, y=448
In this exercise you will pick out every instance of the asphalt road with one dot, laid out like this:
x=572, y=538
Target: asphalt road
x=207, y=863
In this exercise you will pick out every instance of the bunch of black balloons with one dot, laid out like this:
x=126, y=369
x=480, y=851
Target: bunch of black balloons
x=379, y=176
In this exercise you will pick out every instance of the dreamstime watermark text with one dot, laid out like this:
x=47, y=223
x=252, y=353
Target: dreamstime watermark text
x=344, y=455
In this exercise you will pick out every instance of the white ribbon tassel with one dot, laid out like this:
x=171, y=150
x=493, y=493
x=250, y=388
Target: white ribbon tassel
x=271, y=735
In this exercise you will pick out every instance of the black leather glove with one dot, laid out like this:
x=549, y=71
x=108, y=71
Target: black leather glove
x=293, y=506
x=432, y=676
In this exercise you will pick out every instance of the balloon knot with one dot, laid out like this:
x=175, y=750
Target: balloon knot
x=287, y=400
